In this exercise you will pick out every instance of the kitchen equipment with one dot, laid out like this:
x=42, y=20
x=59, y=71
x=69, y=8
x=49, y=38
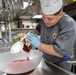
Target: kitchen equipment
x=14, y=39
x=70, y=1
x=18, y=46
x=8, y=64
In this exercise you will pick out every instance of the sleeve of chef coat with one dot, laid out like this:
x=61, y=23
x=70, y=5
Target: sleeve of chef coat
x=65, y=40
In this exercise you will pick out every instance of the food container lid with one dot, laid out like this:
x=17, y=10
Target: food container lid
x=17, y=47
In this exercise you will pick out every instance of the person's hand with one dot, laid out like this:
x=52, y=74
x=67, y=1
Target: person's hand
x=33, y=39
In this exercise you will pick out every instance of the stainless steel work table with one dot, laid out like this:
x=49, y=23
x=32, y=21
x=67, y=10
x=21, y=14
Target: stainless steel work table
x=43, y=69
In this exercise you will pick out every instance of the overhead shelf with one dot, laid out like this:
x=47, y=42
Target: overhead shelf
x=22, y=29
x=18, y=30
x=70, y=9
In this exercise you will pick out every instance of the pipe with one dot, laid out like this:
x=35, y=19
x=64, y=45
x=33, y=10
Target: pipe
x=9, y=30
x=0, y=32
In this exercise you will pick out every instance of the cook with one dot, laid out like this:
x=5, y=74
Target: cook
x=57, y=34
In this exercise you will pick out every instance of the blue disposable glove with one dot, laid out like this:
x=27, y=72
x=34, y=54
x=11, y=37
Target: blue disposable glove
x=5, y=42
x=33, y=39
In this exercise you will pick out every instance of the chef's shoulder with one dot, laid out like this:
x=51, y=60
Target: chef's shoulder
x=67, y=23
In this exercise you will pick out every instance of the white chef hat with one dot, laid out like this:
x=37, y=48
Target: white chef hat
x=50, y=6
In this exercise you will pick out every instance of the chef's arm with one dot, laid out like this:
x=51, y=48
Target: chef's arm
x=48, y=49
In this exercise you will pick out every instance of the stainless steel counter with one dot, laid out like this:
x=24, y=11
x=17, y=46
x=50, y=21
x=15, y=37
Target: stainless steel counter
x=45, y=69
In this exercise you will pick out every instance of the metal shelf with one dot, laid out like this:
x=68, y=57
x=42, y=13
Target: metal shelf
x=22, y=29
x=17, y=30
x=70, y=9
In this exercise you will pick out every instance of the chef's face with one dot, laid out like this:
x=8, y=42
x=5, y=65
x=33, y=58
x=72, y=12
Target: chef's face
x=51, y=20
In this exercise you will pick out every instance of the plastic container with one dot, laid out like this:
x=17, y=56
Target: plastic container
x=8, y=65
x=22, y=44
